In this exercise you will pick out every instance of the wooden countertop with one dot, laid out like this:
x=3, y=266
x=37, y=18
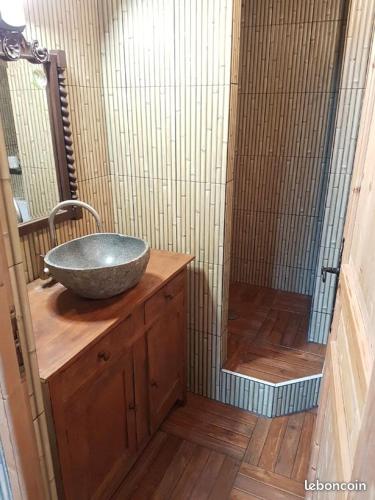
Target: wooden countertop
x=65, y=324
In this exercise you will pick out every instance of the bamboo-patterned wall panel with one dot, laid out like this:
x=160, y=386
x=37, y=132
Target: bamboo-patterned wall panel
x=168, y=123
x=289, y=61
x=75, y=29
x=166, y=81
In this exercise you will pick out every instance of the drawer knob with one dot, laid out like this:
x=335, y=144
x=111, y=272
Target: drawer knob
x=154, y=383
x=131, y=406
x=168, y=296
x=104, y=356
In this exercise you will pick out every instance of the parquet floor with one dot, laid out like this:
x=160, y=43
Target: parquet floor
x=208, y=450
x=267, y=332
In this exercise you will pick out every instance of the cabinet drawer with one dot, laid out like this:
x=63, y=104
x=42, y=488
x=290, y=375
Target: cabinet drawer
x=101, y=356
x=156, y=304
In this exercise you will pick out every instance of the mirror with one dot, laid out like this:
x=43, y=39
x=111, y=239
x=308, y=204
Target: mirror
x=34, y=114
x=28, y=138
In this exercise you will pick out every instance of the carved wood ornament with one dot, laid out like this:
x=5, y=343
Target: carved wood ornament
x=14, y=46
x=67, y=132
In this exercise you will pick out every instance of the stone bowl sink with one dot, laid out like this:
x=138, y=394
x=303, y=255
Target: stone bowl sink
x=100, y=265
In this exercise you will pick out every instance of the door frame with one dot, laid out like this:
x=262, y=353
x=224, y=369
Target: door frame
x=18, y=431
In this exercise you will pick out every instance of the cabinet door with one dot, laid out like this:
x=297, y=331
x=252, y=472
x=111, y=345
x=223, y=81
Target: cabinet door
x=141, y=391
x=165, y=344
x=96, y=433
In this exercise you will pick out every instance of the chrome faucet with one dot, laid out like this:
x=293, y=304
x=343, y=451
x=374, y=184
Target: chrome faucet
x=68, y=203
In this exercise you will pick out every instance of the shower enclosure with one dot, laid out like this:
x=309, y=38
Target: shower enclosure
x=297, y=105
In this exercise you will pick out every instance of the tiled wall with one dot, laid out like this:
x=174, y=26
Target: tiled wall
x=353, y=80
x=166, y=82
x=74, y=27
x=289, y=61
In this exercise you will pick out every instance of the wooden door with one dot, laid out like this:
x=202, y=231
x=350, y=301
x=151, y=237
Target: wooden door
x=350, y=356
x=165, y=341
x=96, y=433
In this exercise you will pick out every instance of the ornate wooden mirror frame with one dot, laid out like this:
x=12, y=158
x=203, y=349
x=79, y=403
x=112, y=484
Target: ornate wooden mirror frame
x=13, y=46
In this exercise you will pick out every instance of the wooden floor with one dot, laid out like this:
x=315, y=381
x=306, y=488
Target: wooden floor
x=267, y=332
x=208, y=450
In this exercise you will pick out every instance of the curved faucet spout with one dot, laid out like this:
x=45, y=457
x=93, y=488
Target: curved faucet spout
x=68, y=203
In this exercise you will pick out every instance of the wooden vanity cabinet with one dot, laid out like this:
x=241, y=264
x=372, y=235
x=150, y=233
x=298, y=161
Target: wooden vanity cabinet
x=108, y=400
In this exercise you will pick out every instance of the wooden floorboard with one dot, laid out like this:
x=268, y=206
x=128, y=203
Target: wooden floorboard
x=190, y=475
x=257, y=441
x=237, y=494
x=272, y=479
x=222, y=410
x=210, y=451
x=186, y=454
x=209, y=475
x=205, y=434
x=302, y=457
x=225, y=479
x=267, y=335
x=289, y=445
x=135, y=476
x=273, y=443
